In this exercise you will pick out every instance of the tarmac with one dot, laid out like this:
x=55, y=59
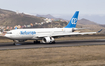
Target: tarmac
x=31, y=45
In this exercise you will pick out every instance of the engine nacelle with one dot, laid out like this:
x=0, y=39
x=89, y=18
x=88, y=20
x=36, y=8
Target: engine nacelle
x=48, y=40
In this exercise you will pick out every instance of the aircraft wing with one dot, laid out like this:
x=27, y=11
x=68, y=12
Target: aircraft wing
x=74, y=33
x=68, y=34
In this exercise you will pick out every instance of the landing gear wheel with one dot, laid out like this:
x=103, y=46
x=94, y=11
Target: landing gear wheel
x=39, y=42
x=14, y=44
x=53, y=42
x=36, y=42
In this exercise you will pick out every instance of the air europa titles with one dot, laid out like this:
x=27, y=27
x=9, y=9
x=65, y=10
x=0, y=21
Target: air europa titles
x=27, y=32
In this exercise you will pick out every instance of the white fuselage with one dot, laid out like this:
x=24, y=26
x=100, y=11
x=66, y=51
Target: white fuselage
x=35, y=33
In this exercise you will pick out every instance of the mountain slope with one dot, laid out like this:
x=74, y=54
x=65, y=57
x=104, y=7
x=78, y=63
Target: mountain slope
x=9, y=18
x=46, y=16
x=86, y=22
x=91, y=26
x=2, y=11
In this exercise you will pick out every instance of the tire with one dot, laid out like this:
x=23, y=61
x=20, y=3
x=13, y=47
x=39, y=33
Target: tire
x=14, y=44
x=36, y=42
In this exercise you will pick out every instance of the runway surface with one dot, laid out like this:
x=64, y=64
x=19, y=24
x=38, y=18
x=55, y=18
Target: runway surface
x=29, y=45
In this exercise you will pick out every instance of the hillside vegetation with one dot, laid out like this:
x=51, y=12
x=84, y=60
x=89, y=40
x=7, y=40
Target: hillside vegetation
x=10, y=18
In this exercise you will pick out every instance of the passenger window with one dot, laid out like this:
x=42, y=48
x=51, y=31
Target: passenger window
x=9, y=32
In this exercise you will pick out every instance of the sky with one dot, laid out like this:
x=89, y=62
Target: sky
x=57, y=8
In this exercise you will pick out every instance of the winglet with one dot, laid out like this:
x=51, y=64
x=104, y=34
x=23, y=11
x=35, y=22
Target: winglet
x=99, y=31
x=73, y=21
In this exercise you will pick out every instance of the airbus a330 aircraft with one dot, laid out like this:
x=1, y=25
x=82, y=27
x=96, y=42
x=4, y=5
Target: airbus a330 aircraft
x=47, y=35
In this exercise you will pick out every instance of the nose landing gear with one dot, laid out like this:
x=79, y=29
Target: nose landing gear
x=17, y=42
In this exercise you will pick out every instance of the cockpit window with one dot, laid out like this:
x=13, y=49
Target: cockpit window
x=9, y=32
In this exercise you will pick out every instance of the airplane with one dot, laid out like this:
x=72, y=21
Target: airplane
x=47, y=35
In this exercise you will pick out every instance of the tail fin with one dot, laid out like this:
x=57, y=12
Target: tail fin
x=73, y=21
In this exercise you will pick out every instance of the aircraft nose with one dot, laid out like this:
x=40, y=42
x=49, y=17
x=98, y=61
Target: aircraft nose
x=6, y=35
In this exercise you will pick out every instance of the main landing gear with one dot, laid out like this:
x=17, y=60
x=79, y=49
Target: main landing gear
x=53, y=42
x=36, y=42
x=18, y=42
x=15, y=41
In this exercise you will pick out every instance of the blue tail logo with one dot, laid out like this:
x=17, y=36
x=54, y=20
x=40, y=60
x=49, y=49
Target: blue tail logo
x=73, y=21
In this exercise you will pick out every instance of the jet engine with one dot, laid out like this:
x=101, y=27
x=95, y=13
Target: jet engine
x=48, y=40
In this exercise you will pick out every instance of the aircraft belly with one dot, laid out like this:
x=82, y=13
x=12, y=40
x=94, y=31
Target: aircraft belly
x=21, y=37
x=44, y=34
